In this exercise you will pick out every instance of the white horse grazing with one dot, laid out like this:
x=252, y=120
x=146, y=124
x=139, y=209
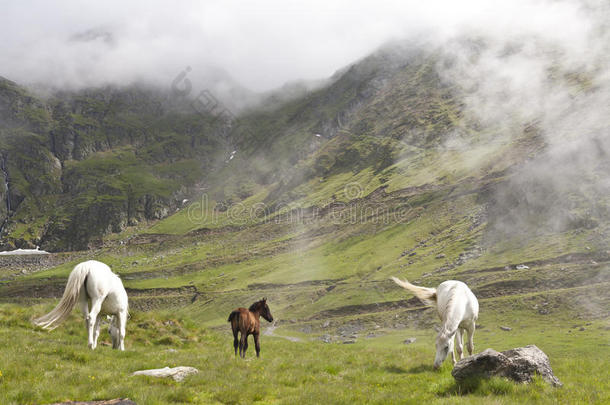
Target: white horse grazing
x=92, y=281
x=458, y=309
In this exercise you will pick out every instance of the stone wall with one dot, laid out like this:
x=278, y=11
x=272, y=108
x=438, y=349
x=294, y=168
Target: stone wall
x=22, y=261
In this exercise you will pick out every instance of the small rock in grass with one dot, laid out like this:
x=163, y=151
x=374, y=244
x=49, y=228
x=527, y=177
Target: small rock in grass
x=522, y=267
x=326, y=324
x=325, y=338
x=581, y=328
x=506, y=328
x=410, y=340
x=177, y=373
x=349, y=342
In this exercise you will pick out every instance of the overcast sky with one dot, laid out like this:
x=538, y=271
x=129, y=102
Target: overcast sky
x=261, y=44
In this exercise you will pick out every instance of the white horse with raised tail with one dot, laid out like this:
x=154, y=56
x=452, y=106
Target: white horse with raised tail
x=458, y=309
x=92, y=282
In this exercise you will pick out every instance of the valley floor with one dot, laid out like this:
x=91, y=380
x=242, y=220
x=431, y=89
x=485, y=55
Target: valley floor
x=326, y=276
x=43, y=367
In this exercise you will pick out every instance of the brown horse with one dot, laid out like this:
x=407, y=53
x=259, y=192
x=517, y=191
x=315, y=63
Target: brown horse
x=247, y=321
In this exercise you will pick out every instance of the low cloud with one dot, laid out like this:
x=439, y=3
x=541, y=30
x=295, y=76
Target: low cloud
x=260, y=45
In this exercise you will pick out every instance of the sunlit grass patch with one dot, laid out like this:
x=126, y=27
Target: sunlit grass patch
x=372, y=371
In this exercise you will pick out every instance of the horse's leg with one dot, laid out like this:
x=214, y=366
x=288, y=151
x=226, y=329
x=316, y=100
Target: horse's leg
x=114, y=332
x=96, y=306
x=471, y=339
x=257, y=344
x=235, y=340
x=451, y=345
x=245, y=345
x=84, y=306
x=122, y=323
x=242, y=344
x=96, y=331
x=459, y=336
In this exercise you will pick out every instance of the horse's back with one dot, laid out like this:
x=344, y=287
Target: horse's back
x=460, y=294
x=103, y=283
x=458, y=287
x=242, y=318
x=94, y=265
x=235, y=314
x=101, y=273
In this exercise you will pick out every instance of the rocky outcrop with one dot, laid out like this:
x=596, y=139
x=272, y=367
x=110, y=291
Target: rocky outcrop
x=5, y=195
x=519, y=364
x=84, y=164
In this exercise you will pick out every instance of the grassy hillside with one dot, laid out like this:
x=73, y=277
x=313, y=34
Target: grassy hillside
x=386, y=171
x=324, y=269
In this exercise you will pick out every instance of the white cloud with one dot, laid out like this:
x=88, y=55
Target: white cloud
x=261, y=44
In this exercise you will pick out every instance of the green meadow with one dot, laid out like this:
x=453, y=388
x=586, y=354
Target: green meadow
x=42, y=367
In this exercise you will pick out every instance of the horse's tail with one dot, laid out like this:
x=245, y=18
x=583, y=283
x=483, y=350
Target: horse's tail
x=425, y=295
x=76, y=280
x=234, y=314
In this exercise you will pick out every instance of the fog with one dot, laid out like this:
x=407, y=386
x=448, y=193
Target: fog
x=556, y=84
x=256, y=45
x=540, y=63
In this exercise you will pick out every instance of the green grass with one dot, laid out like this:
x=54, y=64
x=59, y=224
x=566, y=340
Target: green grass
x=43, y=367
x=204, y=213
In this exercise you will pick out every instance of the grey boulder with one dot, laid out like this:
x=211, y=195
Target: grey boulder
x=519, y=364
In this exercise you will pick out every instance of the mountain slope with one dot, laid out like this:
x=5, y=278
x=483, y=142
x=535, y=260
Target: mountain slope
x=388, y=170
x=80, y=165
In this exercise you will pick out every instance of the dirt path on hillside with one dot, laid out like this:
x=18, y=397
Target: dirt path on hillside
x=270, y=331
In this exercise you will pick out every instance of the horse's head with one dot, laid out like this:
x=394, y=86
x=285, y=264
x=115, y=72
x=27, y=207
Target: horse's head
x=444, y=346
x=265, y=312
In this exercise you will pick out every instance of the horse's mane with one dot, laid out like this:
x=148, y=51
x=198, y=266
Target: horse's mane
x=255, y=306
x=450, y=300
